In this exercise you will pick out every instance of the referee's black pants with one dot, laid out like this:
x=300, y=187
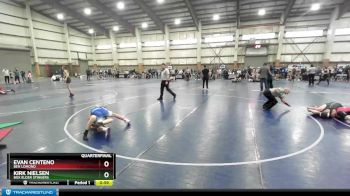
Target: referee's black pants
x=164, y=85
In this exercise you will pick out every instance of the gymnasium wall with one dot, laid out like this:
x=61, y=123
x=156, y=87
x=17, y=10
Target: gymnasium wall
x=49, y=37
x=52, y=46
x=294, y=50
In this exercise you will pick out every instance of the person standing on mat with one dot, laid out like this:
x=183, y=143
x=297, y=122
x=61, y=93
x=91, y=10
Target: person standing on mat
x=271, y=95
x=165, y=77
x=264, y=71
x=312, y=72
x=99, y=118
x=17, y=80
x=294, y=71
x=67, y=80
x=270, y=76
x=23, y=75
x=29, y=77
x=205, y=73
x=88, y=74
x=6, y=75
x=326, y=76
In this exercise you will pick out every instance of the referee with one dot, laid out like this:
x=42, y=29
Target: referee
x=165, y=77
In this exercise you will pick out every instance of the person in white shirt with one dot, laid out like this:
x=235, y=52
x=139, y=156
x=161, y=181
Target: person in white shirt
x=165, y=77
x=271, y=95
x=312, y=72
x=218, y=74
x=7, y=75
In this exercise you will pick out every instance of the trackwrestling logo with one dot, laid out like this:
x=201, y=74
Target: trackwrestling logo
x=32, y=192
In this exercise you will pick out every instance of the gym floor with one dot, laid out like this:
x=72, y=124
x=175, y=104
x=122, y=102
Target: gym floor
x=216, y=139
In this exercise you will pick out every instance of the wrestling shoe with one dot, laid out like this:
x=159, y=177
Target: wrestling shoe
x=108, y=133
x=128, y=123
x=85, y=138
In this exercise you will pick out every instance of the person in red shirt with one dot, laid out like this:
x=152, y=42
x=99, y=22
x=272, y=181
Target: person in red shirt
x=343, y=114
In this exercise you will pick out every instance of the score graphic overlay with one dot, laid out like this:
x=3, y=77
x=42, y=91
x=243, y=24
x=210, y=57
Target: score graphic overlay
x=61, y=169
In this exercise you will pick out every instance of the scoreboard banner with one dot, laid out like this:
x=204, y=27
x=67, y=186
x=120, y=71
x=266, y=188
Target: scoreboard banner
x=83, y=169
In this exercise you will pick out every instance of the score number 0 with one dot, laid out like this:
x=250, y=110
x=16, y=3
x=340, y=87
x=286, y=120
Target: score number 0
x=106, y=164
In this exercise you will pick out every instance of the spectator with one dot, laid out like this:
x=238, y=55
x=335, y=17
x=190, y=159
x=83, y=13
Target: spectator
x=264, y=71
x=312, y=72
x=29, y=77
x=6, y=75
x=23, y=74
x=17, y=77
